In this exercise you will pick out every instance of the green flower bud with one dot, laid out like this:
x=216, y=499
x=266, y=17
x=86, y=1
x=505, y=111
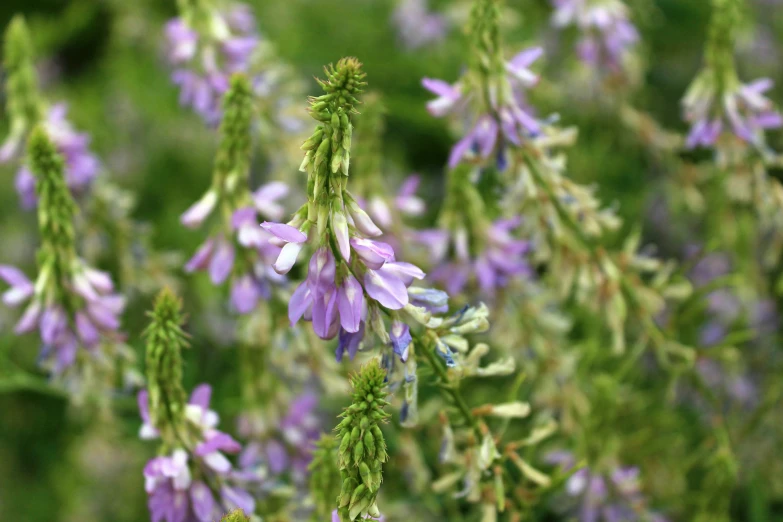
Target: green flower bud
x=165, y=342
x=369, y=444
x=359, y=460
x=358, y=452
x=235, y=516
x=56, y=207
x=23, y=100
x=325, y=480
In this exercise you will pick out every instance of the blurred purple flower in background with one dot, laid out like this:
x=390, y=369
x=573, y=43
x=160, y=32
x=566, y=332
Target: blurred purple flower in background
x=81, y=165
x=606, y=33
x=203, y=63
x=416, y=25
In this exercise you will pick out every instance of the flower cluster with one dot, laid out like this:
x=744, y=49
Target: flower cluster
x=239, y=250
x=346, y=265
x=469, y=245
x=416, y=25
x=613, y=498
x=192, y=480
x=490, y=95
x=206, y=47
x=72, y=304
x=291, y=446
x=717, y=101
x=26, y=109
x=606, y=33
x=362, y=450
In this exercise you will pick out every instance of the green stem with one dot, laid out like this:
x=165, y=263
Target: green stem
x=448, y=385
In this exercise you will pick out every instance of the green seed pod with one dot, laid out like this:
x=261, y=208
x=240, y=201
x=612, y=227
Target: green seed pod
x=364, y=423
x=335, y=120
x=369, y=444
x=358, y=452
x=323, y=150
x=364, y=472
x=345, y=493
x=355, y=434
x=345, y=443
x=357, y=493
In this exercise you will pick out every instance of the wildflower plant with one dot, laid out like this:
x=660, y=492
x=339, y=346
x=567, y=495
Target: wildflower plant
x=238, y=249
x=191, y=479
x=27, y=108
x=72, y=305
x=506, y=345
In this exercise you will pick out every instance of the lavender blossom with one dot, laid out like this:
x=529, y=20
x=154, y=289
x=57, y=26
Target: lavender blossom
x=289, y=448
x=192, y=480
x=205, y=55
x=71, y=304
x=501, y=260
x=506, y=120
x=174, y=495
x=352, y=279
x=416, y=25
x=243, y=256
x=616, y=497
x=607, y=35
x=742, y=110
x=81, y=165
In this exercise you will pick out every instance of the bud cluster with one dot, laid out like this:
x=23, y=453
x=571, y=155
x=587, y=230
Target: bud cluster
x=490, y=95
x=362, y=449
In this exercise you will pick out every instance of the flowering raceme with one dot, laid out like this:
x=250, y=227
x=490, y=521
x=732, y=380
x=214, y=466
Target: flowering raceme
x=26, y=109
x=72, y=304
x=717, y=102
x=192, y=481
x=206, y=46
x=606, y=33
x=346, y=264
x=239, y=250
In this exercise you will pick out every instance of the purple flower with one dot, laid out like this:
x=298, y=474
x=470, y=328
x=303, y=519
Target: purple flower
x=21, y=287
x=81, y=165
x=95, y=319
x=607, y=35
x=204, y=62
x=401, y=339
x=372, y=253
x=350, y=304
x=509, y=120
x=246, y=291
x=416, y=25
x=349, y=342
x=173, y=494
x=501, y=261
x=266, y=197
x=744, y=111
x=613, y=498
x=386, y=287
x=196, y=214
